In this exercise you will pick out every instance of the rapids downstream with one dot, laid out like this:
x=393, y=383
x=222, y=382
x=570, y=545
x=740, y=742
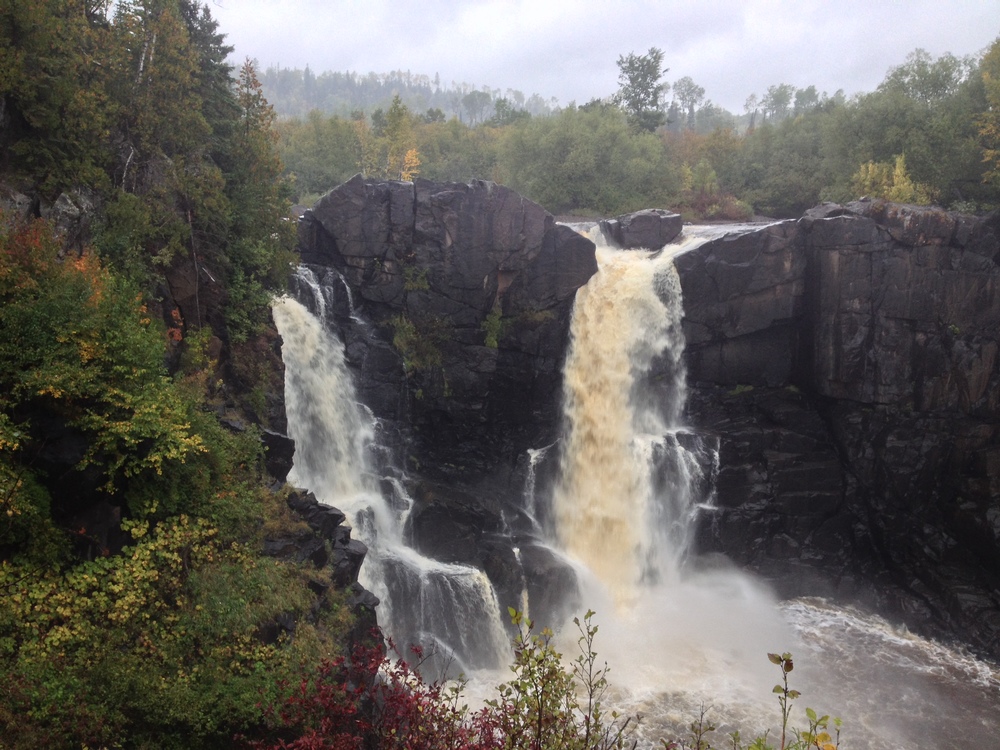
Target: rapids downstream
x=678, y=632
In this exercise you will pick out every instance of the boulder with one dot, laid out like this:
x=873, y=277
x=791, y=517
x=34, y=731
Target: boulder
x=650, y=229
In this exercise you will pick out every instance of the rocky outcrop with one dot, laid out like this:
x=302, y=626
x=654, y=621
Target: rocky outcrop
x=848, y=362
x=650, y=229
x=316, y=533
x=465, y=293
x=453, y=301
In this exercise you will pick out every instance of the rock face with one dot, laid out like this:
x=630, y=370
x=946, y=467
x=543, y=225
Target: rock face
x=468, y=290
x=453, y=301
x=848, y=363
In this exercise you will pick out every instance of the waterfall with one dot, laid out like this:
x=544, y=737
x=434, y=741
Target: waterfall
x=449, y=609
x=625, y=503
x=634, y=478
x=678, y=633
x=681, y=634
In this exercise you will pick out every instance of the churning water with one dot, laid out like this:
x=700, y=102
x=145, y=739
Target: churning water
x=678, y=636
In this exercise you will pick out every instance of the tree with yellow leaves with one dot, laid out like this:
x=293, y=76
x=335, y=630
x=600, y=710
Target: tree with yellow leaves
x=989, y=121
x=891, y=182
x=388, y=150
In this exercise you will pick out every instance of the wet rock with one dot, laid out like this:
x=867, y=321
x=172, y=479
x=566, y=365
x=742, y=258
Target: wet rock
x=551, y=585
x=279, y=452
x=465, y=293
x=346, y=562
x=849, y=364
x=651, y=229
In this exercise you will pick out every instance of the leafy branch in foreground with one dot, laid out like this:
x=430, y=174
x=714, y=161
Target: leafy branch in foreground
x=374, y=700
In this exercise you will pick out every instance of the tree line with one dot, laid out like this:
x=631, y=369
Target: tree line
x=927, y=134
x=136, y=606
x=295, y=92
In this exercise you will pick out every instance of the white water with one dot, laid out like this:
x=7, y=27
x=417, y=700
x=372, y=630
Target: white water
x=628, y=497
x=446, y=607
x=678, y=638
x=609, y=513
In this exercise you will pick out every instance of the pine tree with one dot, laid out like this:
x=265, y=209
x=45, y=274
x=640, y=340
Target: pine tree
x=54, y=110
x=260, y=239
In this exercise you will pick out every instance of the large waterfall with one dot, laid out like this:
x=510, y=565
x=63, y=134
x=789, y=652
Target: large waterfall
x=679, y=633
x=633, y=480
x=625, y=503
x=682, y=634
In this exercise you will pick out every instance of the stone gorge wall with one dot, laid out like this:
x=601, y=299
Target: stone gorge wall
x=848, y=363
x=464, y=295
x=469, y=289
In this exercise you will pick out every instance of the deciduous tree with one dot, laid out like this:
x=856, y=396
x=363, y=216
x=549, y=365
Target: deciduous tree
x=688, y=95
x=640, y=91
x=989, y=120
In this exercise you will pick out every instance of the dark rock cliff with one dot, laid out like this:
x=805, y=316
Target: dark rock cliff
x=469, y=289
x=848, y=362
x=456, y=326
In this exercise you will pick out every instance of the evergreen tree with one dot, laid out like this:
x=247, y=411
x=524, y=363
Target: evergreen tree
x=260, y=238
x=54, y=111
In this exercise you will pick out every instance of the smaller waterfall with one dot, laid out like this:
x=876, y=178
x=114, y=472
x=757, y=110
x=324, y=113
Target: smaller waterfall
x=530, y=502
x=449, y=609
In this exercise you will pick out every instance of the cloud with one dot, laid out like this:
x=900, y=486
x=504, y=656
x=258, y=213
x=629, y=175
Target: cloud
x=568, y=50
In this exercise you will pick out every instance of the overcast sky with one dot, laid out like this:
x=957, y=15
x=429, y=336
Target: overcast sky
x=568, y=49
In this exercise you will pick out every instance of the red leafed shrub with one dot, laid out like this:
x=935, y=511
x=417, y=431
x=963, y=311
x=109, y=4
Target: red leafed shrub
x=371, y=701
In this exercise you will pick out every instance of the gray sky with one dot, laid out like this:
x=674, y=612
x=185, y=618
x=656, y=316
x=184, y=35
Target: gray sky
x=568, y=49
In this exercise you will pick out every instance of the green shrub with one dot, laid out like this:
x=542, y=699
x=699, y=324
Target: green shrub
x=161, y=646
x=492, y=327
x=414, y=280
x=418, y=345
